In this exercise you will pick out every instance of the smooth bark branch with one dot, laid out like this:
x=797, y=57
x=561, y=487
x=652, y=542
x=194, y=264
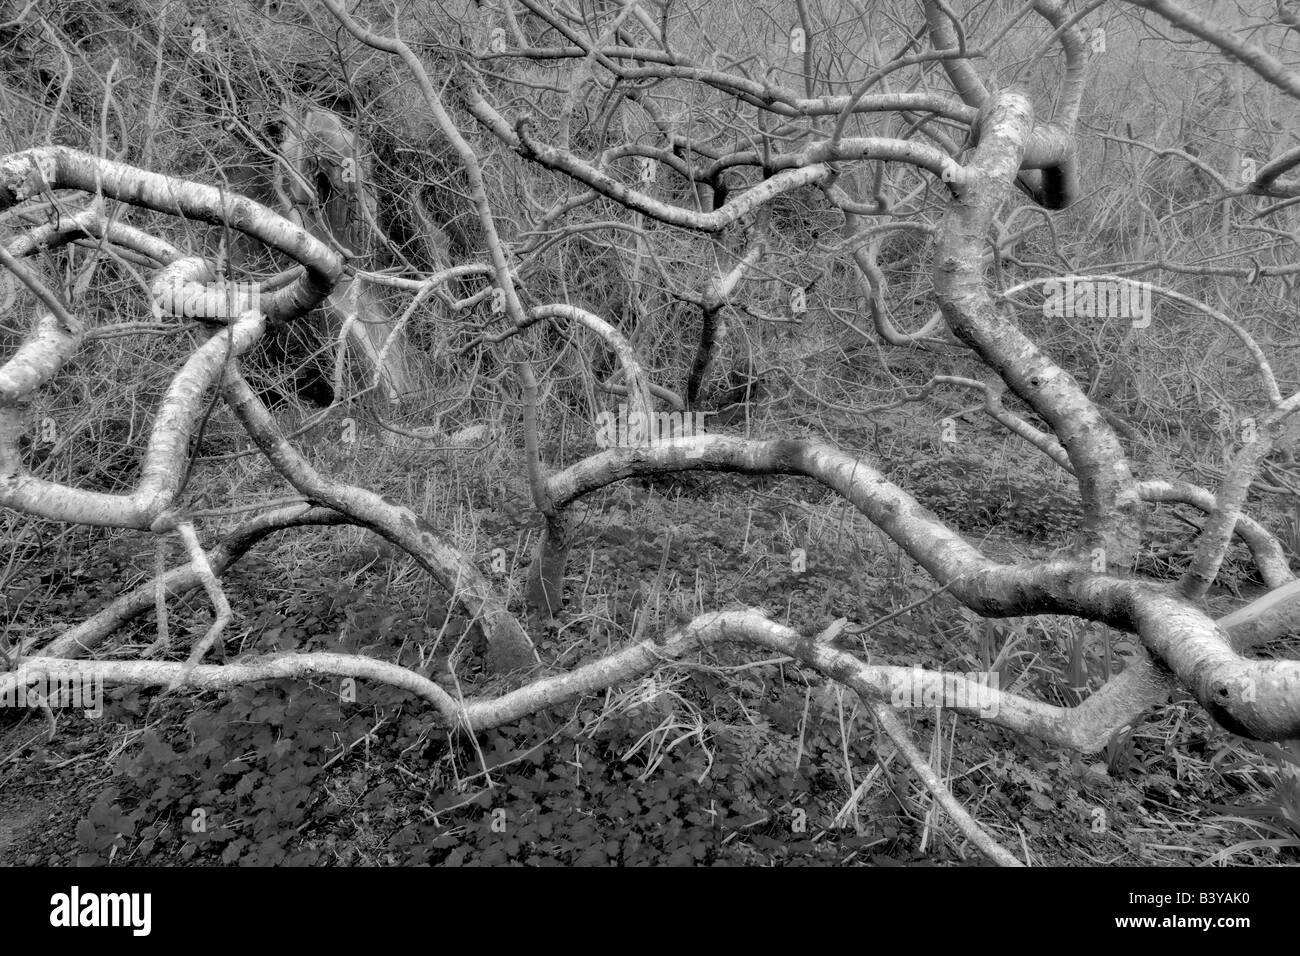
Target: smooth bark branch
x=961, y=72
x=92, y=632
x=713, y=323
x=1074, y=46
x=1268, y=181
x=545, y=584
x=871, y=280
x=35, y=171
x=544, y=590
x=851, y=149
x=766, y=95
x=640, y=392
x=749, y=201
x=227, y=676
x=1112, y=508
x=1250, y=697
x=732, y=129
x=208, y=578
x=39, y=358
x=1269, y=617
x=1265, y=548
x=1087, y=727
x=186, y=288
x=508, y=643
x=91, y=222
x=793, y=170
x=1057, y=185
x=464, y=152
x=895, y=731
x=1008, y=419
x=49, y=344
x=1216, y=536
x=1049, y=148
x=1267, y=551
x=169, y=437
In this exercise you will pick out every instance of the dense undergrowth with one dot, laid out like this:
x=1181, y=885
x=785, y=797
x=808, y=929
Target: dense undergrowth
x=720, y=760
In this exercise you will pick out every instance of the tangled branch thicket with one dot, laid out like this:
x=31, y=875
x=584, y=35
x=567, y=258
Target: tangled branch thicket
x=507, y=219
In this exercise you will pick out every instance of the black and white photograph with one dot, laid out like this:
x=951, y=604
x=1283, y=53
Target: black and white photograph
x=650, y=434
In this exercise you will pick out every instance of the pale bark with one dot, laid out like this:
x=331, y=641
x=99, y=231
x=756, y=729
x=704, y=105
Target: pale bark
x=1181, y=645
x=896, y=732
x=1254, y=697
x=508, y=644
x=1112, y=508
x=92, y=632
x=169, y=437
x=39, y=170
x=713, y=321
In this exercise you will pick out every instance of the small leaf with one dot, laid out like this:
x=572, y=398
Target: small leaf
x=87, y=835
